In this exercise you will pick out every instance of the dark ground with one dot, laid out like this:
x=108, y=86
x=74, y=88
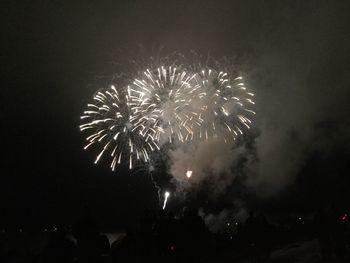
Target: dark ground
x=161, y=236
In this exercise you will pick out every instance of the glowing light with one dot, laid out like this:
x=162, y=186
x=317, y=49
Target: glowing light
x=162, y=96
x=162, y=104
x=188, y=173
x=116, y=128
x=222, y=100
x=344, y=217
x=166, y=196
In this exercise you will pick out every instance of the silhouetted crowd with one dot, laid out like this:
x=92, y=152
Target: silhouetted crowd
x=331, y=232
x=163, y=237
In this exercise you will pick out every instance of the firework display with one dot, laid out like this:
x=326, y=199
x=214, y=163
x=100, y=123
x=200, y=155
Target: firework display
x=163, y=98
x=111, y=123
x=223, y=105
x=163, y=105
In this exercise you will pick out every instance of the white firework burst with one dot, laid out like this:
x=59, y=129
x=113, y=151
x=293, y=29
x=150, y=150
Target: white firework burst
x=111, y=124
x=224, y=104
x=163, y=97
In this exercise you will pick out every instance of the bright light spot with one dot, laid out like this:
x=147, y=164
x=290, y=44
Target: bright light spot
x=188, y=173
x=344, y=217
x=166, y=195
x=165, y=103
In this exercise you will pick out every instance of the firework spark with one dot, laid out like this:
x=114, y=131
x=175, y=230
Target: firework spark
x=164, y=104
x=110, y=123
x=224, y=105
x=188, y=173
x=163, y=97
x=166, y=196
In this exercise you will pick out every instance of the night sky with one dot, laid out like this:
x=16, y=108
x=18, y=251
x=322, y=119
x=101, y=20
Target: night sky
x=296, y=57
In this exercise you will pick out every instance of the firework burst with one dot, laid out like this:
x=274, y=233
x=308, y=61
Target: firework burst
x=166, y=101
x=163, y=97
x=224, y=105
x=111, y=124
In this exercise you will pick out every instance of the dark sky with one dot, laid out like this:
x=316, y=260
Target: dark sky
x=297, y=58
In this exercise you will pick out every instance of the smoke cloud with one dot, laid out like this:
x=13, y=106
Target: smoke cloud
x=208, y=160
x=298, y=76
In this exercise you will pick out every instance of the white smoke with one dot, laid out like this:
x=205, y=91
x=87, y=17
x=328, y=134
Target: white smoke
x=208, y=160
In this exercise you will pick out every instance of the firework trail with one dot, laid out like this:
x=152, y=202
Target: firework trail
x=111, y=124
x=166, y=196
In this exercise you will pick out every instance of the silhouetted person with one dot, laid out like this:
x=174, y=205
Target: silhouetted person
x=86, y=233
x=161, y=235
x=103, y=245
x=172, y=229
x=126, y=249
x=250, y=228
x=257, y=232
x=337, y=233
x=329, y=231
x=59, y=248
x=263, y=238
x=3, y=241
x=194, y=236
x=147, y=222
